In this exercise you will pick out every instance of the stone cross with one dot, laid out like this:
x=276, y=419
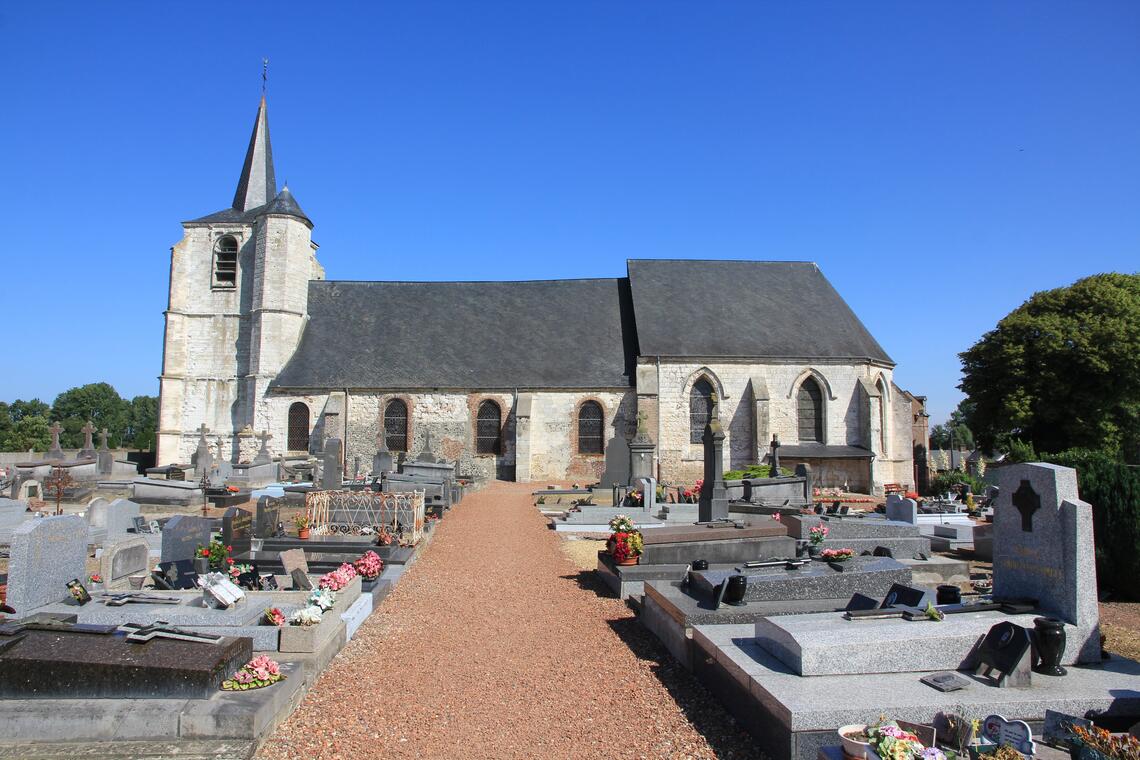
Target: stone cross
x=1027, y=502
x=775, y=473
x=55, y=452
x=87, y=431
x=642, y=435
x=202, y=430
x=103, y=435
x=263, y=455
x=714, y=496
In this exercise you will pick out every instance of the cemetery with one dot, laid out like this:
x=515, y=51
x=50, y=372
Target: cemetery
x=155, y=620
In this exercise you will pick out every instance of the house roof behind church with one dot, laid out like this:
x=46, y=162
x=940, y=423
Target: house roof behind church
x=470, y=335
x=777, y=309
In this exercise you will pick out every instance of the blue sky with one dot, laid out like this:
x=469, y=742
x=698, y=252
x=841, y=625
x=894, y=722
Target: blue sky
x=940, y=162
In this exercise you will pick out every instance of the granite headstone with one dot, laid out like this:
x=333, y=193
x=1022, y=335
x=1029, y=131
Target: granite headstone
x=331, y=471
x=237, y=530
x=266, y=517
x=122, y=560
x=44, y=555
x=182, y=535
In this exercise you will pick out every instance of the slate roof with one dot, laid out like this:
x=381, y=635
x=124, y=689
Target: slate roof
x=762, y=309
x=465, y=335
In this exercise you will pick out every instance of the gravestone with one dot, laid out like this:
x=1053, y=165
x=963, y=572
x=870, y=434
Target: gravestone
x=774, y=457
x=55, y=453
x=641, y=452
x=204, y=456
x=177, y=575
x=301, y=580
x=331, y=473
x=648, y=489
x=382, y=460
x=88, y=450
x=714, y=495
x=122, y=560
x=426, y=454
x=1004, y=656
x=96, y=512
x=266, y=517
x=106, y=460
x=44, y=555
x=182, y=535
x=294, y=559
x=902, y=509
x=237, y=530
x=263, y=455
x=1043, y=549
x=804, y=471
x=120, y=517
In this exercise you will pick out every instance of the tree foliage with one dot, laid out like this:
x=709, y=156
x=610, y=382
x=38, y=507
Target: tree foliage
x=1061, y=371
x=97, y=402
x=25, y=425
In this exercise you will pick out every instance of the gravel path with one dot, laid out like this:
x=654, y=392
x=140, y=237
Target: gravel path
x=494, y=645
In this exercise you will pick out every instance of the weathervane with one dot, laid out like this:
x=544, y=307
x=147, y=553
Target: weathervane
x=264, y=74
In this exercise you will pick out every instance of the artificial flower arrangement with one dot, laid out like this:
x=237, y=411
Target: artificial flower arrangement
x=95, y=578
x=1123, y=746
x=384, y=537
x=627, y=545
x=892, y=743
x=369, y=565
x=274, y=616
x=837, y=555
x=633, y=499
x=217, y=553
x=817, y=534
x=239, y=569
x=255, y=674
x=301, y=522
x=621, y=524
x=323, y=599
x=306, y=616
x=339, y=578
x=693, y=495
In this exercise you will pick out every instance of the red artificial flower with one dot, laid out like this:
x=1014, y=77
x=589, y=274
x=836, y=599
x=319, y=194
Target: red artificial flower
x=229, y=548
x=230, y=560
x=205, y=552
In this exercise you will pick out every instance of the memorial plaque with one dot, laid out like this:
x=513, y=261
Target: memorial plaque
x=1059, y=728
x=294, y=559
x=267, y=516
x=906, y=596
x=78, y=592
x=122, y=560
x=237, y=530
x=1005, y=651
x=861, y=602
x=1015, y=733
x=301, y=581
x=180, y=574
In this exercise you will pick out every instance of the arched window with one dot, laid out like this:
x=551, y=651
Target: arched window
x=225, y=262
x=590, y=419
x=396, y=425
x=700, y=407
x=488, y=429
x=882, y=416
x=299, y=427
x=809, y=403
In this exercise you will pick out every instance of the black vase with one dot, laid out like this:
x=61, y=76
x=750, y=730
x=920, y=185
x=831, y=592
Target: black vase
x=734, y=594
x=700, y=564
x=201, y=565
x=949, y=594
x=1049, y=636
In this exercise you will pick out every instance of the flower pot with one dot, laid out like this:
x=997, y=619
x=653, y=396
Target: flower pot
x=1049, y=638
x=303, y=533
x=851, y=747
x=628, y=561
x=201, y=565
x=814, y=550
x=700, y=564
x=949, y=594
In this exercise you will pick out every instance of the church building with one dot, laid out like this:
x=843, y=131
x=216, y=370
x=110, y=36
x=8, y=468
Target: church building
x=534, y=381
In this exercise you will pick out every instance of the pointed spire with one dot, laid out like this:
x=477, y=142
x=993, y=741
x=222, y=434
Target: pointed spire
x=286, y=205
x=257, y=185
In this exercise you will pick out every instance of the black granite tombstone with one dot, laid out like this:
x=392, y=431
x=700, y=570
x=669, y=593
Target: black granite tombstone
x=237, y=530
x=267, y=516
x=177, y=575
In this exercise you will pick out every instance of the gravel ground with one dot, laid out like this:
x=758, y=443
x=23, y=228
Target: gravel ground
x=496, y=645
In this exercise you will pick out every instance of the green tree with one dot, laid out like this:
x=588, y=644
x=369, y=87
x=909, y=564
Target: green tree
x=29, y=433
x=142, y=420
x=1062, y=370
x=34, y=408
x=97, y=402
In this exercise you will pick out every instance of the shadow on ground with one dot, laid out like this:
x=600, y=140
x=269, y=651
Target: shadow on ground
x=701, y=708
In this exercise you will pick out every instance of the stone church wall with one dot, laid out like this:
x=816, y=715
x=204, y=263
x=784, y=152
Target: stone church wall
x=553, y=437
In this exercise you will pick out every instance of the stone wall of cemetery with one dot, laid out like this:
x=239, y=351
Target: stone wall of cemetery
x=847, y=409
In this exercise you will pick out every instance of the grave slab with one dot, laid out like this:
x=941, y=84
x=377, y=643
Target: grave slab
x=872, y=576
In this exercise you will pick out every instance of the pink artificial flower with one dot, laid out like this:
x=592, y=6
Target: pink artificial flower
x=776, y=517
